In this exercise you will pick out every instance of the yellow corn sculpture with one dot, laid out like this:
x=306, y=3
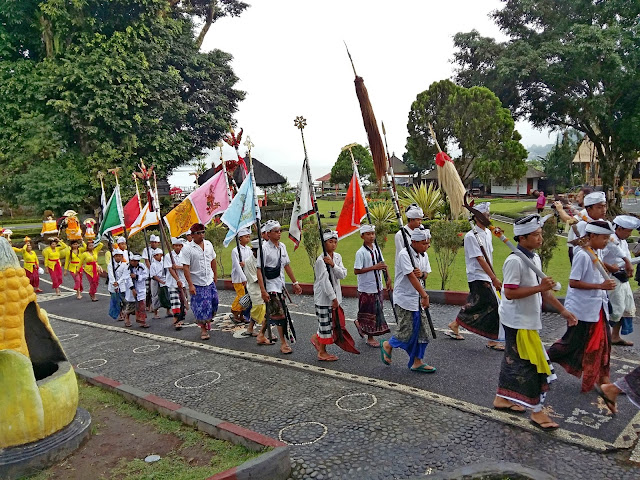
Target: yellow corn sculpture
x=38, y=389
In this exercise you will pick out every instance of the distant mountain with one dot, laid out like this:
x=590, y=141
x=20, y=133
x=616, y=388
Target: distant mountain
x=536, y=151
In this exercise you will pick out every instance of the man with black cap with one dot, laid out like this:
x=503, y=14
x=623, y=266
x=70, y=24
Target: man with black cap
x=201, y=272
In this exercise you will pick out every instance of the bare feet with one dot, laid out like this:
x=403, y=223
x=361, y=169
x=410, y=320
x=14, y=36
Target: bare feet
x=372, y=342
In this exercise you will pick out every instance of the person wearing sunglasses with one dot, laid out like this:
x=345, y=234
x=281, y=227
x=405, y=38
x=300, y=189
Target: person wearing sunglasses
x=201, y=272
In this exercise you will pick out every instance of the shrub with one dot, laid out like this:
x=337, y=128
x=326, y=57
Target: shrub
x=429, y=198
x=215, y=233
x=311, y=239
x=383, y=217
x=446, y=240
x=549, y=241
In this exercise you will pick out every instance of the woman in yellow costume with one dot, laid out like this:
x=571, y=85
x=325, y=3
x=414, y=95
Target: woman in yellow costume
x=72, y=265
x=31, y=263
x=52, y=262
x=74, y=232
x=89, y=261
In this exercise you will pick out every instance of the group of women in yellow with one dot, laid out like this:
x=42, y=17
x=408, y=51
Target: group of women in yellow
x=78, y=259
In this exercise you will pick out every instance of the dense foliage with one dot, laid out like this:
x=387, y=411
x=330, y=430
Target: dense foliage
x=87, y=85
x=472, y=126
x=342, y=170
x=566, y=65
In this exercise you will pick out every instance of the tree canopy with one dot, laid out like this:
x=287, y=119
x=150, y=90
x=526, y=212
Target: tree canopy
x=87, y=85
x=342, y=170
x=472, y=126
x=566, y=65
x=558, y=163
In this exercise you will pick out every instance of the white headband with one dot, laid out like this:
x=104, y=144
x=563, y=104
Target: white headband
x=121, y=240
x=591, y=228
x=158, y=251
x=154, y=238
x=177, y=241
x=136, y=257
x=529, y=225
x=420, y=234
x=594, y=198
x=270, y=225
x=483, y=207
x=414, y=211
x=329, y=235
x=626, y=221
x=365, y=228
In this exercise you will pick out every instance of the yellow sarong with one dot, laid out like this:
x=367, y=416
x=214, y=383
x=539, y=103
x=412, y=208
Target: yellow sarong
x=530, y=348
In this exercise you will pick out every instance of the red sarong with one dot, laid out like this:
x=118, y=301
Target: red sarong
x=56, y=274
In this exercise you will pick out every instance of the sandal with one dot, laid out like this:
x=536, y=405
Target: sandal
x=178, y=325
x=550, y=425
x=453, y=335
x=497, y=348
x=266, y=342
x=249, y=334
x=607, y=401
x=383, y=354
x=127, y=324
x=144, y=325
x=286, y=350
x=328, y=358
x=204, y=336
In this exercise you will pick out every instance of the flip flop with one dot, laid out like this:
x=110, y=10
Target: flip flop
x=423, y=369
x=145, y=325
x=266, y=343
x=286, y=350
x=178, y=325
x=497, y=348
x=607, y=401
x=540, y=425
x=384, y=355
x=315, y=344
x=205, y=337
x=453, y=335
x=249, y=334
x=623, y=343
x=510, y=409
x=127, y=325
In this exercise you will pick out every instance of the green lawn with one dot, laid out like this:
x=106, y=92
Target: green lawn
x=559, y=268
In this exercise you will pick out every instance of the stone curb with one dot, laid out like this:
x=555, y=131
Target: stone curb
x=272, y=465
x=446, y=297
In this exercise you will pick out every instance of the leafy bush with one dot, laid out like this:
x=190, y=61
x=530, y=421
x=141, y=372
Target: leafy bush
x=446, y=240
x=311, y=239
x=215, y=233
x=549, y=241
x=429, y=198
x=383, y=217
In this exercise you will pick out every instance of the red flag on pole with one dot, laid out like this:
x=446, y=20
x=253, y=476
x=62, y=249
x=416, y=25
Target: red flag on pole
x=353, y=210
x=131, y=212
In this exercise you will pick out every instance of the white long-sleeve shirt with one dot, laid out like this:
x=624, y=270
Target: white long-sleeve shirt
x=325, y=291
x=237, y=274
x=140, y=283
x=116, y=277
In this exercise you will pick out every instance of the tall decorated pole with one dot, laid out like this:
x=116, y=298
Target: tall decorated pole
x=144, y=230
x=226, y=179
x=366, y=207
x=249, y=144
x=103, y=201
x=115, y=171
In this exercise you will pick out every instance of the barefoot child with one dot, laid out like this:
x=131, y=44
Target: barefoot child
x=369, y=262
x=327, y=294
x=525, y=373
x=585, y=348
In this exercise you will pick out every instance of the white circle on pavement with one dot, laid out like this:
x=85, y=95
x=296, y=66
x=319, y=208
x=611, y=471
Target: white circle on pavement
x=93, y=363
x=302, y=424
x=67, y=336
x=146, y=348
x=208, y=374
x=374, y=400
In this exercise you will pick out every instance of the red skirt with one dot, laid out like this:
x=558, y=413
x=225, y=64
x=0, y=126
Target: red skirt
x=34, y=278
x=56, y=275
x=77, y=280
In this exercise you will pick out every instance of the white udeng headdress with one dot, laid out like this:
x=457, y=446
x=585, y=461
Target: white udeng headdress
x=529, y=224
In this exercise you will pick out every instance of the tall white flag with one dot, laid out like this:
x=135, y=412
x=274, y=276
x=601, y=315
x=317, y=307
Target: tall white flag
x=303, y=206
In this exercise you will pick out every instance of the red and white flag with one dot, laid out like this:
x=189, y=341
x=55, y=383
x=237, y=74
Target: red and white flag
x=353, y=210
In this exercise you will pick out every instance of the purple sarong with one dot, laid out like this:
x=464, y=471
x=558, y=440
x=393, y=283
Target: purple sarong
x=204, y=303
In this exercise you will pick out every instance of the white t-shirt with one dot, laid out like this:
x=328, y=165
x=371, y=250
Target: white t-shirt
x=324, y=291
x=177, y=260
x=367, y=281
x=199, y=261
x=271, y=254
x=404, y=294
x=237, y=275
x=157, y=270
x=523, y=313
x=572, y=234
x=140, y=284
x=147, y=254
x=398, y=240
x=586, y=304
x=615, y=251
x=472, y=251
x=120, y=270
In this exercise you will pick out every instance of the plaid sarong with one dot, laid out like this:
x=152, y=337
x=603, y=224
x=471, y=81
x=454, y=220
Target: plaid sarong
x=325, y=330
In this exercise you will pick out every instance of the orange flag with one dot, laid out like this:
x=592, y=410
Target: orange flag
x=353, y=210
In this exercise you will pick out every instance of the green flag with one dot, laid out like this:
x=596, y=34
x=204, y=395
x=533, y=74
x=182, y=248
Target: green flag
x=113, y=215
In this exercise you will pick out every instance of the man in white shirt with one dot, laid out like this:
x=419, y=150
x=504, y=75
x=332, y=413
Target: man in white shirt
x=526, y=372
x=158, y=280
x=275, y=263
x=410, y=299
x=585, y=349
x=368, y=265
x=239, y=280
x=115, y=271
x=595, y=204
x=176, y=282
x=147, y=256
x=480, y=314
x=327, y=294
x=201, y=272
x=617, y=258
x=414, y=220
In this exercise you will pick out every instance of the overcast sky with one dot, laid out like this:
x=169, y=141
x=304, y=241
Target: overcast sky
x=291, y=60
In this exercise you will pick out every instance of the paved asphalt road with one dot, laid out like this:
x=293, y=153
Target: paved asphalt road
x=357, y=418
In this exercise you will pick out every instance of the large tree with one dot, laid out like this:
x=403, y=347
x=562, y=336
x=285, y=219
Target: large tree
x=472, y=126
x=566, y=65
x=86, y=85
x=342, y=170
x=558, y=163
